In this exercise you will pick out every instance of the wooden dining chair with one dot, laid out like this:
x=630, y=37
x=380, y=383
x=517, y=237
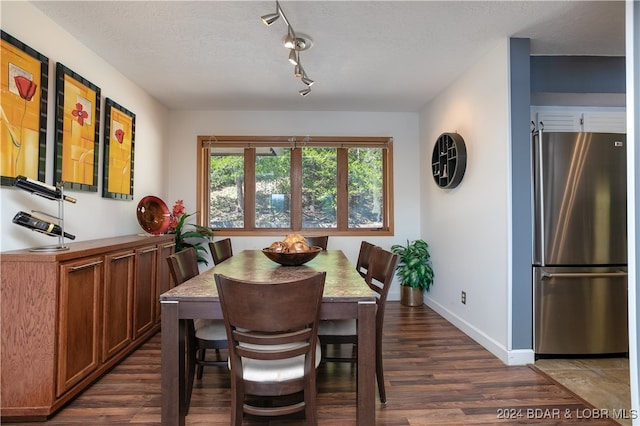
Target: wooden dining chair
x=381, y=268
x=202, y=334
x=273, y=350
x=221, y=250
x=321, y=241
x=363, y=257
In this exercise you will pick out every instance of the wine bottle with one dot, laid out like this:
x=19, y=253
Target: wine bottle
x=40, y=225
x=42, y=189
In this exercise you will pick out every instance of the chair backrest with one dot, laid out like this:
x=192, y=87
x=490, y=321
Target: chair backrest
x=183, y=265
x=285, y=314
x=220, y=250
x=363, y=257
x=318, y=241
x=382, y=266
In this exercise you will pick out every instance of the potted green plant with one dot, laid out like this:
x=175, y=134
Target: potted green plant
x=195, y=237
x=414, y=270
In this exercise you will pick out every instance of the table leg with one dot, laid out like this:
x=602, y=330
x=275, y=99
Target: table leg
x=366, y=384
x=173, y=358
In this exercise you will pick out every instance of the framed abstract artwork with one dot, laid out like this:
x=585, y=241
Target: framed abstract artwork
x=118, y=146
x=23, y=111
x=77, y=131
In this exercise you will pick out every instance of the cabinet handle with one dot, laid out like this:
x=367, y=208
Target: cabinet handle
x=123, y=256
x=88, y=265
x=169, y=245
x=149, y=250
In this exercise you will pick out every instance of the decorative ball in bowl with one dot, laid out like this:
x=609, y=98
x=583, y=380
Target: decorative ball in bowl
x=292, y=258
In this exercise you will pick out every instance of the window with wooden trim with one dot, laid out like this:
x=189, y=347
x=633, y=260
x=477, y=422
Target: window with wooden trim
x=276, y=185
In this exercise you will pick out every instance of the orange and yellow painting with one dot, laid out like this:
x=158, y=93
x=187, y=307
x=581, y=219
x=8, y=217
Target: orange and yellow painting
x=78, y=135
x=19, y=112
x=120, y=144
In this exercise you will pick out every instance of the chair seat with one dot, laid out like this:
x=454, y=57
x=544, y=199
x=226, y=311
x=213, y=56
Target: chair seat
x=337, y=328
x=279, y=370
x=208, y=329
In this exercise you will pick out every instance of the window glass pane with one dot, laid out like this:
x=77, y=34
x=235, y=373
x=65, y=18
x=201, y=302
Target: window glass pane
x=273, y=188
x=365, y=188
x=339, y=185
x=319, y=186
x=226, y=187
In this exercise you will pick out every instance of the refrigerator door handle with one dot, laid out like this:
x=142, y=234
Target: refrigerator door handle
x=538, y=200
x=547, y=275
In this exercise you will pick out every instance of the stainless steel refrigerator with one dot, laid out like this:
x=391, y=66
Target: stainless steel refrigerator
x=580, y=243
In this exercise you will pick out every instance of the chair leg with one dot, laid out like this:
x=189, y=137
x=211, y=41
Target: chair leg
x=379, y=371
x=237, y=403
x=191, y=363
x=310, y=405
x=201, y=356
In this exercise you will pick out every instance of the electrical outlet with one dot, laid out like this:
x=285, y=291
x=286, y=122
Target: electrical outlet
x=463, y=297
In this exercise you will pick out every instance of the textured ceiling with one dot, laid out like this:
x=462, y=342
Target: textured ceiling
x=366, y=55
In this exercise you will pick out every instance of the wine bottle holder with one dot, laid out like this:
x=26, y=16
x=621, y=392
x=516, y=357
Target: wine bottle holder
x=59, y=218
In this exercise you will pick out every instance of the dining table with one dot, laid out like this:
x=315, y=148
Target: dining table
x=346, y=296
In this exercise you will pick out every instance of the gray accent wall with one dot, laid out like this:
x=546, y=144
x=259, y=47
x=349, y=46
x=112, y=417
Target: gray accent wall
x=577, y=74
x=521, y=285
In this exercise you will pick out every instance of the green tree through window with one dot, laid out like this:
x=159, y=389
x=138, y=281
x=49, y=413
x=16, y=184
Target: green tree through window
x=276, y=185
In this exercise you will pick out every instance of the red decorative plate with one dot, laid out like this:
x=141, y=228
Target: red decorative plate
x=153, y=215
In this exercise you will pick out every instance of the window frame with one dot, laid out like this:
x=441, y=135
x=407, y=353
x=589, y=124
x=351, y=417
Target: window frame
x=295, y=143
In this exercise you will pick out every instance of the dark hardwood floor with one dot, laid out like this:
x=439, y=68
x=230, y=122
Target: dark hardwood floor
x=434, y=373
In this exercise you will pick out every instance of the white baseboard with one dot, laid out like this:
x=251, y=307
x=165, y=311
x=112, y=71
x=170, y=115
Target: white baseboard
x=509, y=357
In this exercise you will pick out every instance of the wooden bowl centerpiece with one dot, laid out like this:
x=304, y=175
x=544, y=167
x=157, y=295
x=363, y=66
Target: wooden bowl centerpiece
x=292, y=251
x=294, y=258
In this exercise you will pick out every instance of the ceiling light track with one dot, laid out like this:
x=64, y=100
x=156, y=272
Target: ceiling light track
x=296, y=43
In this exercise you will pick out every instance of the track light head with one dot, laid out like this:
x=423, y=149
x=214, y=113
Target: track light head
x=306, y=80
x=293, y=58
x=305, y=92
x=298, y=71
x=270, y=18
x=289, y=40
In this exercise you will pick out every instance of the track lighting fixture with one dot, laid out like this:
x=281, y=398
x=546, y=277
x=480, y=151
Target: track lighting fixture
x=295, y=43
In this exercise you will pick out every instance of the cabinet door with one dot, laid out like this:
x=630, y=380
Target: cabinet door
x=119, y=276
x=144, y=290
x=78, y=320
x=579, y=119
x=605, y=121
x=164, y=279
x=559, y=121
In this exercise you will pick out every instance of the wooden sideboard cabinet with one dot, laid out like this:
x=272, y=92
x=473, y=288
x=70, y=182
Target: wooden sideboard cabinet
x=69, y=316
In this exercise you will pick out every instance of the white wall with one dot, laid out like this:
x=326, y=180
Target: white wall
x=92, y=216
x=186, y=126
x=467, y=227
